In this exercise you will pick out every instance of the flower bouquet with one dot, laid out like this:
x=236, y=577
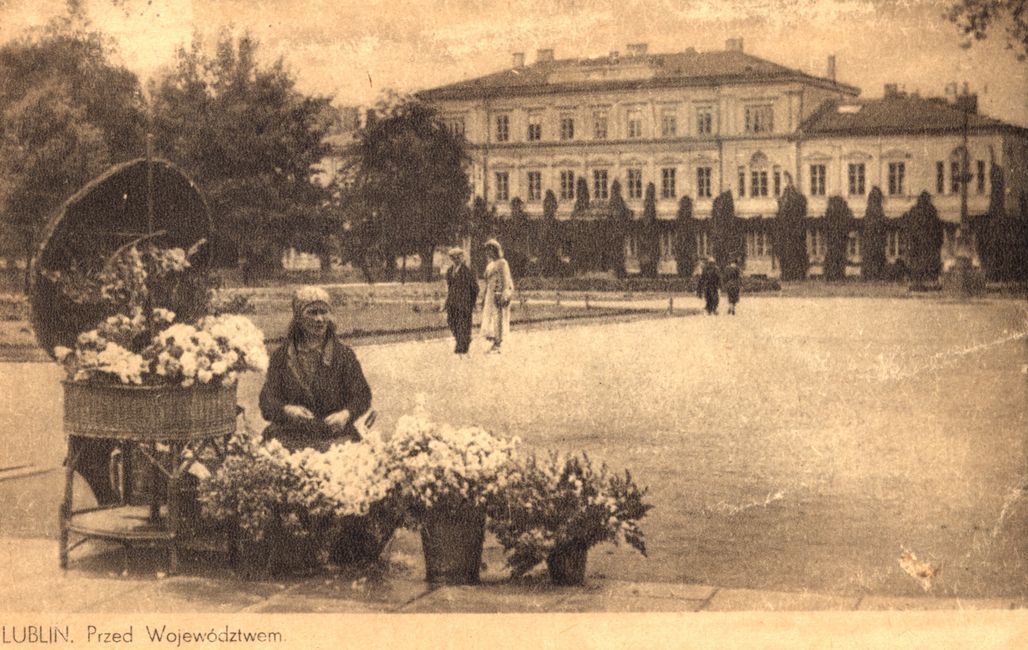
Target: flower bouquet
x=271, y=505
x=560, y=507
x=449, y=476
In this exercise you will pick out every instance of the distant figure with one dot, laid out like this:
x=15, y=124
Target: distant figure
x=732, y=282
x=461, y=296
x=708, y=286
x=499, y=289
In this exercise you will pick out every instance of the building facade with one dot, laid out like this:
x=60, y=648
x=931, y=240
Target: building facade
x=698, y=124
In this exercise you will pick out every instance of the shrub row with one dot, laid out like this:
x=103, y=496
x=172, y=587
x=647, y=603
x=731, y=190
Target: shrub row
x=751, y=284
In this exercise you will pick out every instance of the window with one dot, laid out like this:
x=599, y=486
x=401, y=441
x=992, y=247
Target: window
x=759, y=119
x=455, y=125
x=567, y=127
x=667, y=183
x=817, y=180
x=853, y=244
x=702, y=245
x=631, y=247
x=502, y=186
x=895, y=244
x=535, y=186
x=635, y=123
x=567, y=185
x=856, y=179
x=703, y=182
x=668, y=123
x=954, y=176
x=758, y=183
x=704, y=120
x=778, y=181
x=600, y=125
x=815, y=243
x=535, y=127
x=981, y=176
x=666, y=244
x=758, y=244
x=600, y=184
x=635, y=183
x=897, y=171
x=502, y=128
x=742, y=182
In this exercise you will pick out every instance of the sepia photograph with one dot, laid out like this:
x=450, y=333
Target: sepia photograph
x=666, y=323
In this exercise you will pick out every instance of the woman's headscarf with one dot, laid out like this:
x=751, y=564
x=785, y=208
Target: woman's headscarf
x=495, y=245
x=303, y=298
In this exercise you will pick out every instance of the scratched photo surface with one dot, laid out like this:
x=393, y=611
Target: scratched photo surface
x=832, y=445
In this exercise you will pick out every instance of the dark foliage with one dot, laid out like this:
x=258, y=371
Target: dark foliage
x=837, y=222
x=924, y=234
x=872, y=242
x=727, y=237
x=790, y=240
x=685, y=238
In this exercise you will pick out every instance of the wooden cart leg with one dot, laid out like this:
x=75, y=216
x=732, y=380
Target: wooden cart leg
x=64, y=513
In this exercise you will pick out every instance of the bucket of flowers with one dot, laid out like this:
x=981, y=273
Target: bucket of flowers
x=561, y=506
x=448, y=476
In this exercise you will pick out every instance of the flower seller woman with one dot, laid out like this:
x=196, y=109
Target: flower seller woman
x=315, y=391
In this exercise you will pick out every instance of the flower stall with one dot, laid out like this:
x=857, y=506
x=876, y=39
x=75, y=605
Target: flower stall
x=119, y=293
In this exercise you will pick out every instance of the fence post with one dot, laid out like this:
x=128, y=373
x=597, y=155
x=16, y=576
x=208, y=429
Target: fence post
x=670, y=303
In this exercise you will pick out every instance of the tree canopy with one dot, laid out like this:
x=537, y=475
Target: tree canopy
x=838, y=219
x=977, y=19
x=410, y=170
x=872, y=244
x=252, y=140
x=791, y=234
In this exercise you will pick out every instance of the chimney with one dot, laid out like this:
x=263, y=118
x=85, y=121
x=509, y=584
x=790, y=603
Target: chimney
x=831, y=67
x=615, y=56
x=637, y=49
x=733, y=45
x=544, y=56
x=892, y=90
x=951, y=92
x=519, y=60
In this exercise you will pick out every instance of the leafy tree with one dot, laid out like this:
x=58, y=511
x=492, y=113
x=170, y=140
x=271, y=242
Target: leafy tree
x=838, y=219
x=791, y=234
x=976, y=19
x=252, y=139
x=924, y=234
x=727, y=238
x=618, y=220
x=66, y=113
x=1003, y=244
x=685, y=238
x=649, y=235
x=410, y=170
x=872, y=242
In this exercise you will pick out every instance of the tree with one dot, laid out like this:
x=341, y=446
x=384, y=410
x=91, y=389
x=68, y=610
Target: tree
x=1003, y=244
x=252, y=140
x=410, y=169
x=790, y=239
x=924, y=233
x=66, y=113
x=581, y=196
x=726, y=231
x=649, y=237
x=616, y=229
x=685, y=238
x=838, y=219
x=872, y=243
x=549, y=259
x=976, y=19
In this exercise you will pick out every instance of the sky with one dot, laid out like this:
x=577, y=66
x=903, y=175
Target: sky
x=352, y=50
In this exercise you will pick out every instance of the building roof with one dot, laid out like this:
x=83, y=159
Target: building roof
x=893, y=115
x=687, y=68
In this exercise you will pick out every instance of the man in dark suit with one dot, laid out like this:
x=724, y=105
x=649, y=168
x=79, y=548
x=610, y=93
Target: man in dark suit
x=461, y=295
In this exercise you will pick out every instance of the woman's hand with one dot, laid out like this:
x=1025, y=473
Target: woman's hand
x=297, y=412
x=338, y=420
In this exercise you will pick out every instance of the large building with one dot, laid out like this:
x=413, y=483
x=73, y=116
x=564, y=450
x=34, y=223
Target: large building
x=702, y=123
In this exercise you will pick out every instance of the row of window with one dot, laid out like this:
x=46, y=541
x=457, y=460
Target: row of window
x=757, y=179
x=600, y=184
x=758, y=244
x=758, y=119
x=954, y=177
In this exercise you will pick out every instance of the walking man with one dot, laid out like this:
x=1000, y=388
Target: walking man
x=461, y=295
x=707, y=288
x=733, y=284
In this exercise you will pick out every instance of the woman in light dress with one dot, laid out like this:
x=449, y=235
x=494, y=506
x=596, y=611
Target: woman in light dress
x=499, y=289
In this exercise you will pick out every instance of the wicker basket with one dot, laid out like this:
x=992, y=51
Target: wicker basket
x=156, y=413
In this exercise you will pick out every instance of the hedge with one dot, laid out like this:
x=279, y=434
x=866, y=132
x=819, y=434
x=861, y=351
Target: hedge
x=750, y=284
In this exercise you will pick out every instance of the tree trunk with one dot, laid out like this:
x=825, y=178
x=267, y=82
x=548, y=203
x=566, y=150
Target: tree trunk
x=403, y=271
x=426, y=262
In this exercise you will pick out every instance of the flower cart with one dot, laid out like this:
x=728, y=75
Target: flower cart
x=112, y=270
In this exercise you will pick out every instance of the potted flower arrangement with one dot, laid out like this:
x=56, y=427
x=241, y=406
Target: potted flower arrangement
x=448, y=476
x=270, y=503
x=561, y=506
